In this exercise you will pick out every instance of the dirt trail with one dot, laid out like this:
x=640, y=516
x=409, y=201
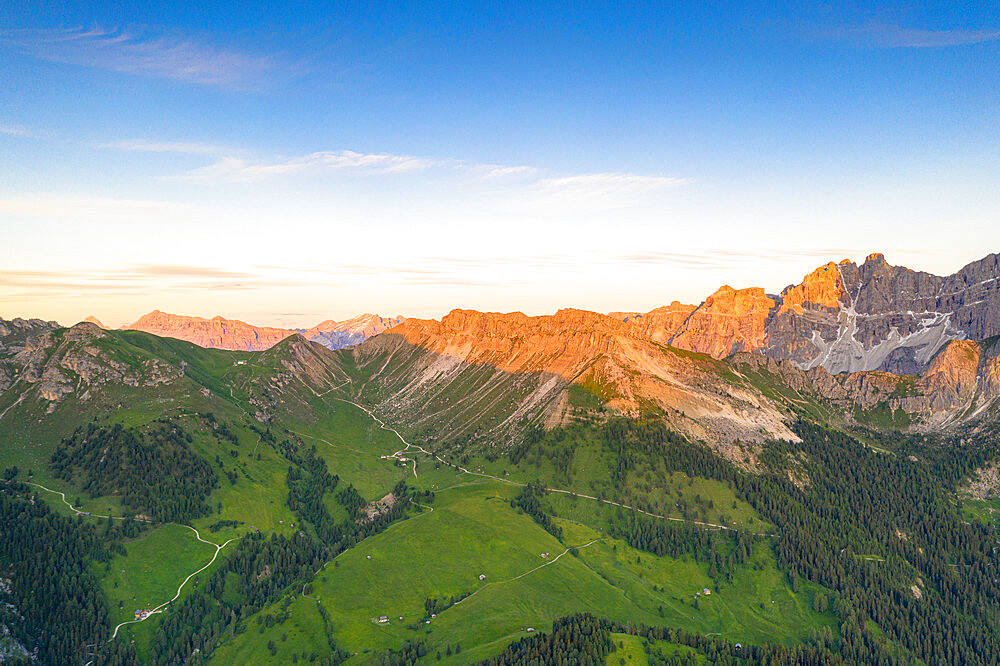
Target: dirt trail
x=158, y=609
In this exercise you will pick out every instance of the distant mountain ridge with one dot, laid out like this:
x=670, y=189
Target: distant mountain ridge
x=221, y=333
x=339, y=334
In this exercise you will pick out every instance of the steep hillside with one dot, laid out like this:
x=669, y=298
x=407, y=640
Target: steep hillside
x=486, y=375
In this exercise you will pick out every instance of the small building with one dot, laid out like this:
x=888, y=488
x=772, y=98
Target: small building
x=241, y=362
x=368, y=557
x=706, y=591
x=383, y=619
x=531, y=628
x=482, y=576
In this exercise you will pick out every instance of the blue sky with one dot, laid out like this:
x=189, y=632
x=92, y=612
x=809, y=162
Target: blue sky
x=290, y=163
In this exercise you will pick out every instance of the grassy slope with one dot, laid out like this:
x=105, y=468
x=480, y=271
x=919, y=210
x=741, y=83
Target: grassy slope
x=474, y=530
x=153, y=567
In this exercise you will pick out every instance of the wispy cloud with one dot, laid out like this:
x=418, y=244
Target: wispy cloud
x=589, y=193
x=244, y=170
x=180, y=58
x=893, y=36
x=500, y=171
x=135, y=279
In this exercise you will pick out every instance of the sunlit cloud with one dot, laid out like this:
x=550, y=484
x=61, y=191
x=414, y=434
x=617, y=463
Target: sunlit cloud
x=180, y=58
x=138, y=279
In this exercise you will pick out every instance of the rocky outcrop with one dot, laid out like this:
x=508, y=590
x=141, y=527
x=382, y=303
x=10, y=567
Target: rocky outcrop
x=215, y=333
x=14, y=334
x=849, y=318
x=78, y=359
x=476, y=374
x=961, y=382
x=729, y=321
x=660, y=324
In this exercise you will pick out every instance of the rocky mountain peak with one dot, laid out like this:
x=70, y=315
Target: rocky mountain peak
x=730, y=320
x=823, y=288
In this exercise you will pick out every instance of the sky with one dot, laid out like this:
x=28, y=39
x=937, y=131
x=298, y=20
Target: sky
x=286, y=163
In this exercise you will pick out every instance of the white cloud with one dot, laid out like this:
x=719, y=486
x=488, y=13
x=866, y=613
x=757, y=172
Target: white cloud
x=594, y=192
x=242, y=170
x=166, y=57
x=500, y=171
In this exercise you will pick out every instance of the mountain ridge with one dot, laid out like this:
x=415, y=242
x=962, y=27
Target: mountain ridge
x=234, y=334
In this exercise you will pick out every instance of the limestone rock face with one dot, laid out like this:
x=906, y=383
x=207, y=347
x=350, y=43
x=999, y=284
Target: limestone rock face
x=951, y=379
x=660, y=324
x=474, y=373
x=216, y=333
x=847, y=318
x=729, y=321
x=961, y=383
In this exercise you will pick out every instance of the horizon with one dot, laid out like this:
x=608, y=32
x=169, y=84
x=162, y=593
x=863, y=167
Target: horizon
x=111, y=324
x=294, y=165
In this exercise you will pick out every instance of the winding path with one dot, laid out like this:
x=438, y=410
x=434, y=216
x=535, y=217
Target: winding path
x=12, y=405
x=408, y=446
x=86, y=513
x=159, y=609
x=540, y=566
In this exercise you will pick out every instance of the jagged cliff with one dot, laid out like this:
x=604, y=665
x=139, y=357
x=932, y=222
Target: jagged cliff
x=847, y=318
x=488, y=374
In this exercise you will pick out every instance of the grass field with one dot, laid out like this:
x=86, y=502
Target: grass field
x=472, y=531
x=155, y=564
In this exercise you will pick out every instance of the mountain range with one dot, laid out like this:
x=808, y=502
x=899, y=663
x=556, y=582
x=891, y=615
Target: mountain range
x=221, y=333
x=874, y=341
x=803, y=477
x=842, y=317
